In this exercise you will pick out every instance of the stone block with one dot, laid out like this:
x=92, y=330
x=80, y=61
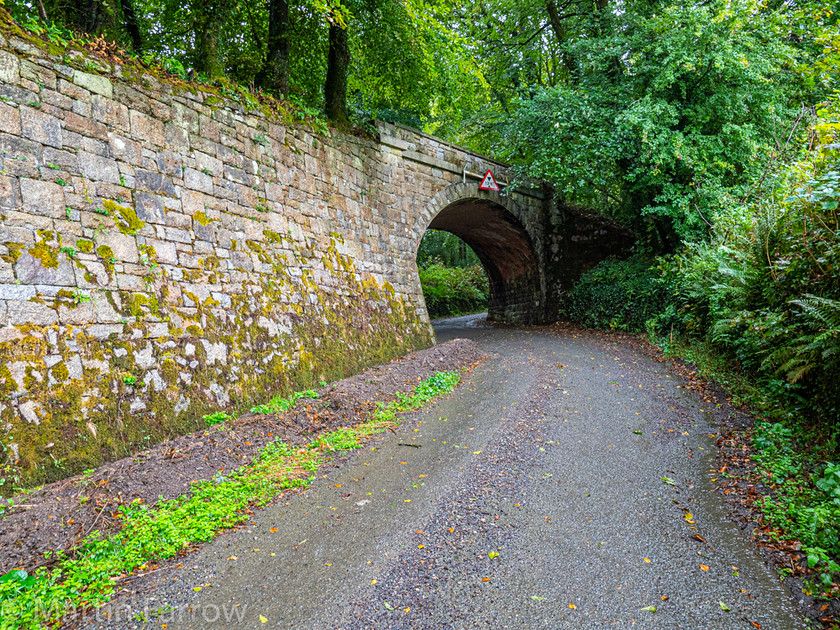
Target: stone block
x=209, y=128
x=38, y=74
x=147, y=128
x=16, y=291
x=27, y=220
x=9, y=192
x=9, y=119
x=77, y=314
x=149, y=207
x=209, y=164
x=94, y=83
x=42, y=198
x=56, y=99
x=130, y=282
x=82, y=125
x=70, y=90
x=104, y=331
x=165, y=251
x=65, y=159
x=189, y=260
x=81, y=108
x=99, y=168
x=125, y=150
x=176, y=137
x=170, y=163
x=91, y=274
x=154, y=182
x=161, y=110
x=96, y=145
x=40, y=127
x=110, y=112
x=174, y=234
x=132, y=98
x=124, y=246
x=105, y=313
x=9, y=68
x=237, y=175
x=196, y=180
x=31, y=270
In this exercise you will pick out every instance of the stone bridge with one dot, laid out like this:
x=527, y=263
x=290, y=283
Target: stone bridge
x=167, y=251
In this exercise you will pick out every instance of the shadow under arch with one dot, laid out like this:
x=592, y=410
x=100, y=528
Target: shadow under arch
x=505, y=249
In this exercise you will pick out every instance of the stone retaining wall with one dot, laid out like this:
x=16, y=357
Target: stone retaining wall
x=165, y=253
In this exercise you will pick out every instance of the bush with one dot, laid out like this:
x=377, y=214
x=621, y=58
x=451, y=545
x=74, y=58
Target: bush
x=451, y=291
x=620, y=294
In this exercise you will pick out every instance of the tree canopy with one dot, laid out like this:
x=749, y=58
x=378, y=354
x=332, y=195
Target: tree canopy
x=663, y=114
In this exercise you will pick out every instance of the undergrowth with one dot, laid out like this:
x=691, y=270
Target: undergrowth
x=87, y=576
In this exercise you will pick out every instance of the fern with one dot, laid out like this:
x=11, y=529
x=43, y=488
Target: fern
x=820, y=341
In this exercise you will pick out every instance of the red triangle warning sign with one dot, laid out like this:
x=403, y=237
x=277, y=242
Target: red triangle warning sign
x=488, y=183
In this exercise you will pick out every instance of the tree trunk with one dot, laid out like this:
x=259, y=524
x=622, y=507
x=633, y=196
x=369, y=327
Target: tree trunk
x=131, y=25
x=87, y=16
x=335, y=89
x=208, y=22
x=42, y=11
x=559, y=29
x=276, y=71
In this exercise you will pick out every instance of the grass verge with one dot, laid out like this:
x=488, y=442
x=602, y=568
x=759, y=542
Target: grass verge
x=88, y=575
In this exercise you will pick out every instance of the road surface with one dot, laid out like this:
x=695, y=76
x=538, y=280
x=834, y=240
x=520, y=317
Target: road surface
x=583, y=468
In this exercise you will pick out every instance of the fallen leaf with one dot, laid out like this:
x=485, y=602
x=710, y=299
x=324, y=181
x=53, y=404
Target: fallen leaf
x=196, y=588
x=263, y=619
x=572, y=606
x=650, y=608
x=646, y=559
x=664, y=598
x=373, y=581
x=407, y=609
x=485, y=579
x=387, y=606
x=421, y=546
x=537, y=598
x=704, y=567
x=689, y=517
x=492, y=555
x=723, y=606
x=273, y=530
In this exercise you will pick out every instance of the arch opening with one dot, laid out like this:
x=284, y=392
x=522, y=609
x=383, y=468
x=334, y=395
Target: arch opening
x=506, y=252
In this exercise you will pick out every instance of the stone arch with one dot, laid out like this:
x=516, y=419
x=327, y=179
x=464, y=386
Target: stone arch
x=497, y=230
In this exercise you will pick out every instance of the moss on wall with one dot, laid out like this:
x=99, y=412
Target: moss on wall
x=153, y=389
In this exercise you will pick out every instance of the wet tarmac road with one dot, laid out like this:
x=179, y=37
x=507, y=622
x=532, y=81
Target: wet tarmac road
x=583, y=468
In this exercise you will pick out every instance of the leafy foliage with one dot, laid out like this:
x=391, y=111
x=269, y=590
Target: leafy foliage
x=619, y=294
x=445, y=248
x=451, y=291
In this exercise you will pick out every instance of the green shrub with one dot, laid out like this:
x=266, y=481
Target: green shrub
x=451, y=291
x=620, y=294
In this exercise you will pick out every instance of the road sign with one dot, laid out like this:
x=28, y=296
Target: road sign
x=488, y=182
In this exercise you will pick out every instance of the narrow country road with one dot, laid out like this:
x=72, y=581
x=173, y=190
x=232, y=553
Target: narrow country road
x=582, y=464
